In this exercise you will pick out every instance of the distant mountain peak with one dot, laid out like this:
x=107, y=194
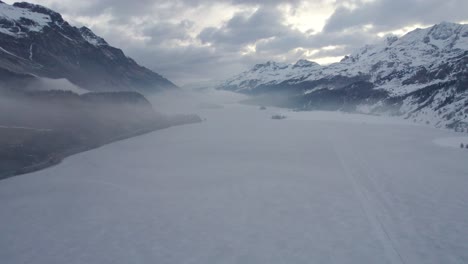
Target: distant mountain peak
x=273, y=65
x=390, y=39
x=39, y=9
x=92, y=38
x=35, y=40
x=444, y=30
x=424, y=71
x=305, y=63
x=21, y=18
x=446, y=24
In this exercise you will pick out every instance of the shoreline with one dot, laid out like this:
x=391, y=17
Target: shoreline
x=57, y=158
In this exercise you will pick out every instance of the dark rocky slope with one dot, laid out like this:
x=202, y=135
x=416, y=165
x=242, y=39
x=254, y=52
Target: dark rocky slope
x=38, y=41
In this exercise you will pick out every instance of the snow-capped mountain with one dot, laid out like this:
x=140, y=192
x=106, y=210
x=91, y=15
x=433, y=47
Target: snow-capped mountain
x=37, y=41
x=422, y=75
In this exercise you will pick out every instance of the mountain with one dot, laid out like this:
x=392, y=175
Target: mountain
x=422, y=76
x=38, y=42
x=64, y=90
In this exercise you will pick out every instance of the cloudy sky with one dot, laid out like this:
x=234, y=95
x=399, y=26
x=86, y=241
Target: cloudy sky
x=198, y=40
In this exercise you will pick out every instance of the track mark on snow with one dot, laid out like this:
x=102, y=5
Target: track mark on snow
x=393, y=256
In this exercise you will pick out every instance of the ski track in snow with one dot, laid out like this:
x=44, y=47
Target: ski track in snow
x=26, y=128
x=31, y=52
x=243, y=188
x=393, y=256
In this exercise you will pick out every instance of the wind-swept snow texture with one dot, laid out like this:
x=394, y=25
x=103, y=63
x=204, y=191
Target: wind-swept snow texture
x=242, y=188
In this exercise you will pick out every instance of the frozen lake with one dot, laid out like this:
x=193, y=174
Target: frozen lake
x=243, y=188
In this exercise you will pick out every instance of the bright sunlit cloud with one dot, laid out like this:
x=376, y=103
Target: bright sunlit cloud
x=309, y=17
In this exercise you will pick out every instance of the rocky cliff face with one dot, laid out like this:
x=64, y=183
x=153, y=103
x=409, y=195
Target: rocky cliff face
x=422, y=76
x=37, y=41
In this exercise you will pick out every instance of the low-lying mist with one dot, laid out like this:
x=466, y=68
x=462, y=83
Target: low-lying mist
x=39, y=128
x=47, y=84
x=192, y=101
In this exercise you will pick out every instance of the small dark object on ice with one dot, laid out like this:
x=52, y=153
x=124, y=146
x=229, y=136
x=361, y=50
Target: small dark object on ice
x=462, y=146
x=263, y=108
x=278, y=117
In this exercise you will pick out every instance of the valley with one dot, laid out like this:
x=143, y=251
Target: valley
x=240, y=187
x=200, y=132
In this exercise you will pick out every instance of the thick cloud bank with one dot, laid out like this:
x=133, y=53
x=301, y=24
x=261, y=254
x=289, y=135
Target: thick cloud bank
x=199, y=40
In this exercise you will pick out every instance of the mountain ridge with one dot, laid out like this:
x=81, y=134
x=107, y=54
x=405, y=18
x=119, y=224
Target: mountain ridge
x=36, y=40
x=413, y=76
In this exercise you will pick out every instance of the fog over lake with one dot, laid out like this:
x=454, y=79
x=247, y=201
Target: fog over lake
x=240, y=187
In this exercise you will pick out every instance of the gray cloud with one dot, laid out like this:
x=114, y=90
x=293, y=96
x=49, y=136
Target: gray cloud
x=244, y=29
x=165, y=31
x=394, y=14
x=167, y=36
x=265, y=29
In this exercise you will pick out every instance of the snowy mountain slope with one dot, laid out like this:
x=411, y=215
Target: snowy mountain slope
x=272, y=73
x=422, y=75
x=92, y=38
x=22, y=20
x=37, y=41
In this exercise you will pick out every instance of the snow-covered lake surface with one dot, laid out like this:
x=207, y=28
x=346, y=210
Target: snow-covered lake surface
x=452, y=142
x=243, y=188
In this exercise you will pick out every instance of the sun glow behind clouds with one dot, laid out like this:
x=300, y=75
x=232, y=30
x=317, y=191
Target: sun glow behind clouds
x=323, y=60
x=211, y=15
x=327, y=60
x=249, y=49
x=308, y=17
